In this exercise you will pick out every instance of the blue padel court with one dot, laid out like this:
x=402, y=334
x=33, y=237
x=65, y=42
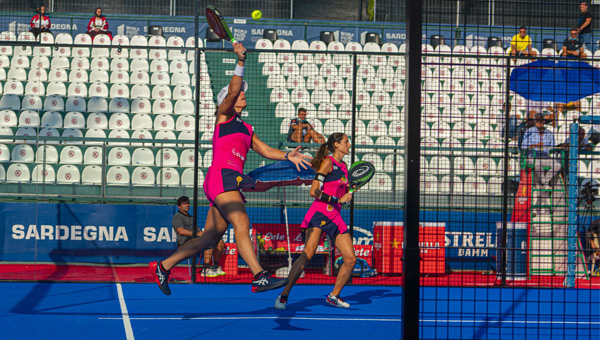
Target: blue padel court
x=140, y=311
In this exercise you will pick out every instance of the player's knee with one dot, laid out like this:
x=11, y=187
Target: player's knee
x=212, y=235
x=351, y=261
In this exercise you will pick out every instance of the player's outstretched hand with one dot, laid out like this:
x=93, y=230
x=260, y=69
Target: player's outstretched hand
x=239, y=50
x=299, y=159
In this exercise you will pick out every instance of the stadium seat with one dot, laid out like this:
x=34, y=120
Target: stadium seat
x=68, y=174
x=186, y=138
x=429, y=185
x=451, y=185
x=94, y=133
x=475, y=185
x=299, y=96
x=142, y=157
x=162, y=106
x=186, y=159
x=117, y=175
x=119, y=121
x=380, y=182
x=76, y=104
x=168, y=177
x=390, y=113
x=183, y=92
x=18, y=173
x=463, y=166
x=119, y=156
x=22, y=131
x=142, y=176
x=159, y=65
x=91, y=175
x=184, y=107
x=56, y=88
x=374, y=159
x=93, y=155
x=368, y=112
x=139, y=65
x=141, y=121
x=166, y=135
x=52, y=119
x=308, y=70
x=74, y=120
x=187, y=178
x=180, y=78
x=49, y=132
x=270, y=68
x=68, y=134
x=185, y=123
x=119, y=77
x=439, y=165
x=279, y=94
x=160, y=78
x=8, y=118
x=71, y=155
x=167, y=157
x=485, y=166
x=78, y=75
x=22, y=154
x=207, y=109
x=14, y=87
x=29, y=119
x=164, y=122
x=161, y=92
x=97, y=104
x=340, y=97
x=53, y=103
x=326, y=111
x=138, y=41
x=4, y=154
x=430, y=146
x=46, y=154
x=118, y=105
x=96, y=120
x=77, y=89
x=175, y=41
x=178, y=66
x=139, y=77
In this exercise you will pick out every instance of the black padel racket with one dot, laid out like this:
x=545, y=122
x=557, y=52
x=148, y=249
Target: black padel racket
x=360, y=173
x=216, y=21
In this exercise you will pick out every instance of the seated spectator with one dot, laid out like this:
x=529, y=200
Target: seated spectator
x=40, y=22
x=541, y=140
x=535, y=107
x=538, y=137
x=584, y=143
x=525, y=125
x=301, y=131
x=521, y=44
x=98, y=25
x=572, y=46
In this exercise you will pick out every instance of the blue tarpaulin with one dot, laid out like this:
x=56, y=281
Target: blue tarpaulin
x=555, y=81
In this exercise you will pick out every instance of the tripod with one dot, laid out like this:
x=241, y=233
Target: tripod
x=586, y=228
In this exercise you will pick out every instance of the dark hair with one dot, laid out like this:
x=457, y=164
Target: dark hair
x=182, y=199
x=326, y=148
x=522, y=28
x=301, y=109
x=574, y=29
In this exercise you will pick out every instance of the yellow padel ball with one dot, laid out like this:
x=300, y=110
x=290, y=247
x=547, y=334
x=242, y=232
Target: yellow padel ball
x=256, y=15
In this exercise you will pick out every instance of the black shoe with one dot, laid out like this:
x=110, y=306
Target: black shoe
x=161, y=277
x=266, y=281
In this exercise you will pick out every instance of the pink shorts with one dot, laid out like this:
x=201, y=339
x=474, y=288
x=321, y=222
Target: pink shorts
x=326, y=217
x=219, y=180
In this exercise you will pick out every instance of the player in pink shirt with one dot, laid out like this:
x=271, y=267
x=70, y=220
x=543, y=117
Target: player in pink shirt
x=330, y=190
x=232, y=140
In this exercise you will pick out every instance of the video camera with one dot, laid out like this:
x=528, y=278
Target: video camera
x=589, y=191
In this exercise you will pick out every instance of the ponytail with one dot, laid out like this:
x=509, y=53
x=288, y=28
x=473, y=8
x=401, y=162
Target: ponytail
x=325, y=149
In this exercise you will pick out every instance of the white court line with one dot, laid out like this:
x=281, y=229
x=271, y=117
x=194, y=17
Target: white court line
x=365, y=319
x=126, y=320
x=265, y=318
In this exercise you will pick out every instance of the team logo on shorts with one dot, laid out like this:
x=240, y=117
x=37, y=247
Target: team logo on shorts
x=239, y=180
x=343, y=179
x=323, y=223
x=329, y=207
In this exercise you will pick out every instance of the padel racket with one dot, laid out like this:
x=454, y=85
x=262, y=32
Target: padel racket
x=216, y=21
x=359, y=174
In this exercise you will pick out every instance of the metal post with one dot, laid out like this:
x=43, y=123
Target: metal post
x=412, y=126
x=505, y=173
x=196, y=128
x=353, y=134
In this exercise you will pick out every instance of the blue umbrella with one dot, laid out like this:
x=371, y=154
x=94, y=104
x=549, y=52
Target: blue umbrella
x=282, y=173
x=555, y=81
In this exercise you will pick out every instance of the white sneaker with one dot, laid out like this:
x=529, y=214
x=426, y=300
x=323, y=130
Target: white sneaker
x=281, y=302
x=220, y=271
x=337, y=301
x=209, y=272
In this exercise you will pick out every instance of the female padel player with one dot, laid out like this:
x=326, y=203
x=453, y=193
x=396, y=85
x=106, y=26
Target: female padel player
x=330, y=190
x=231, y=141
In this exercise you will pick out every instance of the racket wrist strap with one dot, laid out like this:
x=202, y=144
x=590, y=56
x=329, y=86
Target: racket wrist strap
x=286, y=156
x=239, y=71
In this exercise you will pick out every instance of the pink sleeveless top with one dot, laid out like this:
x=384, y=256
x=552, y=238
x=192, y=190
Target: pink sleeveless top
x=336, y=182
x=231, y=141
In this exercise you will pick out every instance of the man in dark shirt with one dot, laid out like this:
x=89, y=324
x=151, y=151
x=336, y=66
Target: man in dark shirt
x=301, y=131
x=183, y=224
x=584, y=24
x=572, y=46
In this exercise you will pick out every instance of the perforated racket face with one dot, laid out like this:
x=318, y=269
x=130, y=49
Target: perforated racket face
x=214, y=20
x=360, y=173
